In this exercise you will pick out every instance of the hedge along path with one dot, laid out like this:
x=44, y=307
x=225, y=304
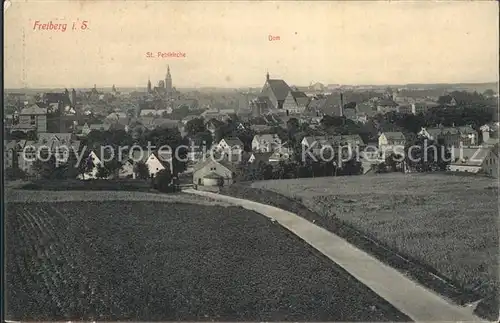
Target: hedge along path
x=412, y=299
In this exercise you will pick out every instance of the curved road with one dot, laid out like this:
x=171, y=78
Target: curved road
x=412, y=299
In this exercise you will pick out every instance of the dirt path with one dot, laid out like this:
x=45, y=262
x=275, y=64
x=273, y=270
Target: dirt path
x=419, y=303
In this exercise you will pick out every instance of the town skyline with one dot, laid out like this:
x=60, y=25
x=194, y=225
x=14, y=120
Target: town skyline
x=118, y=86
x=375, y=43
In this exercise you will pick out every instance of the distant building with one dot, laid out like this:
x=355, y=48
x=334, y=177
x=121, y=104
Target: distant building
x=32, y=118
x=391, y=141
x=470, y=160
x=282, y=97
x=11, y=153
x=317, y=87
x=330, y=104
x=423, y=107
x=452, y=136
x=149, y=89
x=73, y=98
x=168, y=82
x=387, y=105
x=165, y=89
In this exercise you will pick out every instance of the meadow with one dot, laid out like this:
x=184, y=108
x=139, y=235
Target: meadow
x=446, y=222
x=112, y=259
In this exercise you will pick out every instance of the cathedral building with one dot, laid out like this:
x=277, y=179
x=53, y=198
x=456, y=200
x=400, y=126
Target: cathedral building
x=164, y=89
x=277, y=97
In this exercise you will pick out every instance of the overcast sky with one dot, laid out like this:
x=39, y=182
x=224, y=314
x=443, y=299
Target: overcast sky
x=226, y=43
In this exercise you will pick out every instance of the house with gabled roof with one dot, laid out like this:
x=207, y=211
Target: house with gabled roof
x=232, y=146
x=468, y=136
x=265, y=142
x=330, y=104
x=491, y=162
x=159, y=161
x=391, y=138
x=452, y=136
x=277, y=91
x=391, y=142
x=469, y=160
x=94, y=159
x=11, y=153
x=214, y=172
x=32, y=118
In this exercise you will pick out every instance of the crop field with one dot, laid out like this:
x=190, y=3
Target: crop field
x=152, y=261
x=446, y=222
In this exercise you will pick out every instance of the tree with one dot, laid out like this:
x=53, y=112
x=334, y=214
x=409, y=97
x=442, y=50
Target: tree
x=489, y=92
x=351, y=167
x=203, y=138
x=163, y=181
x=246, y=136
x=279, y=171
x=13, y=173
x=114, y=167
x=102, y=171
x=424, y=155
x=45, y=169
x=131, y=112
x=332, y=121
x=267, y=171
x=141, y=170
x=171, y=138
x=394, y=162
x=85, y=166
x=66, y=171
x=293, y=125
x=195, y=126
x=118, y=137
x=179, y=160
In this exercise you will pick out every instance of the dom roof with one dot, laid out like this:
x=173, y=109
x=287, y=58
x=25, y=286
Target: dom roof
x=279, y=88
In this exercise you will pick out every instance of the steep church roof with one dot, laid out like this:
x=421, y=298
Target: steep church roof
x=279, y=88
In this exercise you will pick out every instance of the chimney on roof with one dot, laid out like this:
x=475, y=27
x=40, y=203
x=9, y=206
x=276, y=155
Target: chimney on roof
x=267, y=76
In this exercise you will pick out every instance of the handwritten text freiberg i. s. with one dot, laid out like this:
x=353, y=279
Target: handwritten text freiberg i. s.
x=77, y=25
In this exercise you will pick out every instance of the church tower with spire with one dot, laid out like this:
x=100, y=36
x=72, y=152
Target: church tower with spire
x=168, y=82
x=149, y=85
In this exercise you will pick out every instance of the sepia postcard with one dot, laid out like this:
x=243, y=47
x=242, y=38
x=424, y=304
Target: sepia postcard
x=251, y=161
